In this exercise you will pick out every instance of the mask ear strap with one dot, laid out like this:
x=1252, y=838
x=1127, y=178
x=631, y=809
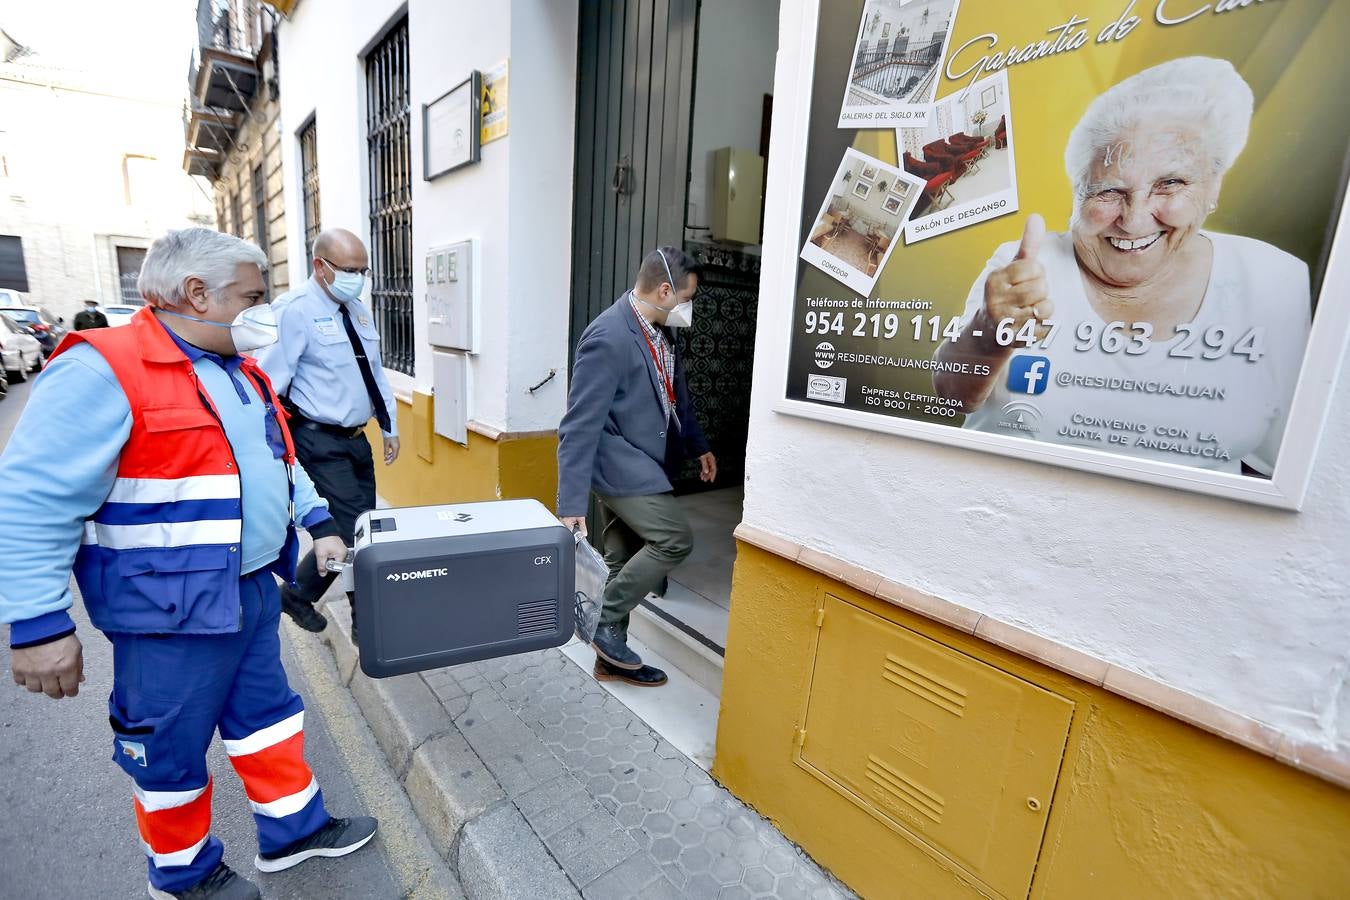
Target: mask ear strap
x=673, y=288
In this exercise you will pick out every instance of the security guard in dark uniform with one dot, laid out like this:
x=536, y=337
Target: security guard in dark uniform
x=90, y=317
x=326, y=365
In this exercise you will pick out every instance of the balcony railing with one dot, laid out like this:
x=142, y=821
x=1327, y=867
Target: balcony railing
x=224, y=77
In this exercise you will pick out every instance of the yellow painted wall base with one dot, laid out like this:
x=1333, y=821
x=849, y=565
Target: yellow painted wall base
x=431, y=469
x=1145, y=805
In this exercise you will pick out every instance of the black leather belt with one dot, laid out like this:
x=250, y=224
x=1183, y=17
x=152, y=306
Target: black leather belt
x=342, y=431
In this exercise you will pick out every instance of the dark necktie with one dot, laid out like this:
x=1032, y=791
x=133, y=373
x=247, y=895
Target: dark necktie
x=376, y=400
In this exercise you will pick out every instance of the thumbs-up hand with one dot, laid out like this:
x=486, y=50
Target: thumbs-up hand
x=1019, y=291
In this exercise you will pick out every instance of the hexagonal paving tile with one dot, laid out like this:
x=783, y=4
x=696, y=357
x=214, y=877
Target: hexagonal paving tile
x=659, y=824
x=750, y=852
x=735, y=892
x=742, y=824
x=683, y=810
x=758, y=879
x=627, y=792
x=727, y=870
x=720, y=842
x=780, y=860
x=675, y=788
x=702, y=887
x=696, y=859
x=710, y=816
x=672, y=768
x=689, y=834
x=665, y=850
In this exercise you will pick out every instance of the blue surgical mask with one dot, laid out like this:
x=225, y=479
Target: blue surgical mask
x=347, y=286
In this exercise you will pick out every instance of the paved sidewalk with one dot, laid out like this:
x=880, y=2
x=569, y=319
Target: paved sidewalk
x=619, y=810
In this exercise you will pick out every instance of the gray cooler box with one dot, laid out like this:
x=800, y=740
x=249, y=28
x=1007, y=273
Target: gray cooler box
x=441, y=585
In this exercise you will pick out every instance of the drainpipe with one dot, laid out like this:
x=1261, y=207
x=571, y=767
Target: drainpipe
x=98, y=278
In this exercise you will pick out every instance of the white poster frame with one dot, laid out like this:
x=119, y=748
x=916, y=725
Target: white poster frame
x=1312, y=399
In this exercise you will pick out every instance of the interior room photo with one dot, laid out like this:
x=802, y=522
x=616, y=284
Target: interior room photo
x=865, y=210
x=964, y=155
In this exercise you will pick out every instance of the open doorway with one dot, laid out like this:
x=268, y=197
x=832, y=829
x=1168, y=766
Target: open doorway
x=733, y=87
x=673, y=111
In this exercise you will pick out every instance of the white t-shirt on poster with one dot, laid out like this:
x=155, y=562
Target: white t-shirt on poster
x=1168, y=403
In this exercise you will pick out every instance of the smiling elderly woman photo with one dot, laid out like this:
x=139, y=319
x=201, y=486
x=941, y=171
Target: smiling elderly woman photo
x=1138, y=331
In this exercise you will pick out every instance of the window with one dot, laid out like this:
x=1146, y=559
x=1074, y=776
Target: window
x=236, y=215
x=260, y=211
x=387, y=142
x=13, y=273
x=138, y=178
x=309, y=187
x=129, y=260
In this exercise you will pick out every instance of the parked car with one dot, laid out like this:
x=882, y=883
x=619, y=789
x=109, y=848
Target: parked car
x=119, y=315
x=20, y=351
x=46, y=327
x=11, y=297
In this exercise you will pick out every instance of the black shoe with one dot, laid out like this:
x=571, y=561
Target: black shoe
x=610, y=646
x=338, y=838
x=222, y=884
x=302, y=613
x=647, y=676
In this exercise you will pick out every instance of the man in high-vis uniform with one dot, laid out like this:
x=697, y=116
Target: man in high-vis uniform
x=176, y=505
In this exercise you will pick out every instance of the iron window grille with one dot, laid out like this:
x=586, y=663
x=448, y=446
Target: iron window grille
x=388, y=127
x=309, y=187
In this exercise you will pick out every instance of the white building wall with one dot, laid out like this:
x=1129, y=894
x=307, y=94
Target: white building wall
x=516, y=203
x=1244, y=606
x=64, y=188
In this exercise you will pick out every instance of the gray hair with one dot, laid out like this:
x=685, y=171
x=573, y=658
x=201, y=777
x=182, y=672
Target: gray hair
x=210, y=255
x=1198, y=90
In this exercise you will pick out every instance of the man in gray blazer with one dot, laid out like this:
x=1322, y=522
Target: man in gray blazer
x=629, y=428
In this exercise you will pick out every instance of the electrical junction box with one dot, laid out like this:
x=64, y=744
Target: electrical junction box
x=442, y=585
x=450, y=296
x=737, y=195
x=450, y=394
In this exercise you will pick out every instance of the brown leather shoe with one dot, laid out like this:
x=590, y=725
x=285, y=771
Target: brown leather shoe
x=647, y=676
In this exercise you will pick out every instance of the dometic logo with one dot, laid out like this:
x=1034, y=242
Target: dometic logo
x=417, y=576
x=454, y=517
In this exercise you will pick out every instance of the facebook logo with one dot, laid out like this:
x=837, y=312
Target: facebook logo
x=1029, y=374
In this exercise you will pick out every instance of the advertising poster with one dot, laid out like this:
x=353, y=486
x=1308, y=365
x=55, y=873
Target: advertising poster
x=1139, y=280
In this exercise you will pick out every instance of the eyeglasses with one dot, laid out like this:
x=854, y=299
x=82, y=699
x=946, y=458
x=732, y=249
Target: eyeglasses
x=355, y=270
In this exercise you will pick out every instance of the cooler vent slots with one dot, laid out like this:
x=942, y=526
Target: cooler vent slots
x=537, y=617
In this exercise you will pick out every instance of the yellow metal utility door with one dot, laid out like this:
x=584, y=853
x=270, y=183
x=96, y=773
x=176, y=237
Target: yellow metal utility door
x=954, y=754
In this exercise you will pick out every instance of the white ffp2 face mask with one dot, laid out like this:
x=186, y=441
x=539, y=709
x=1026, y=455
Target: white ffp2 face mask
x=253, y=329
x=682, y=315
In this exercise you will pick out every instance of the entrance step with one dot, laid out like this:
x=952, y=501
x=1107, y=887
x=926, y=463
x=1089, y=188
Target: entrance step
x=685, y=648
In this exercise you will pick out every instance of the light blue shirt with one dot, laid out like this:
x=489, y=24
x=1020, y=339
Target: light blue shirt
x=61, y=463
x=313, y=364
